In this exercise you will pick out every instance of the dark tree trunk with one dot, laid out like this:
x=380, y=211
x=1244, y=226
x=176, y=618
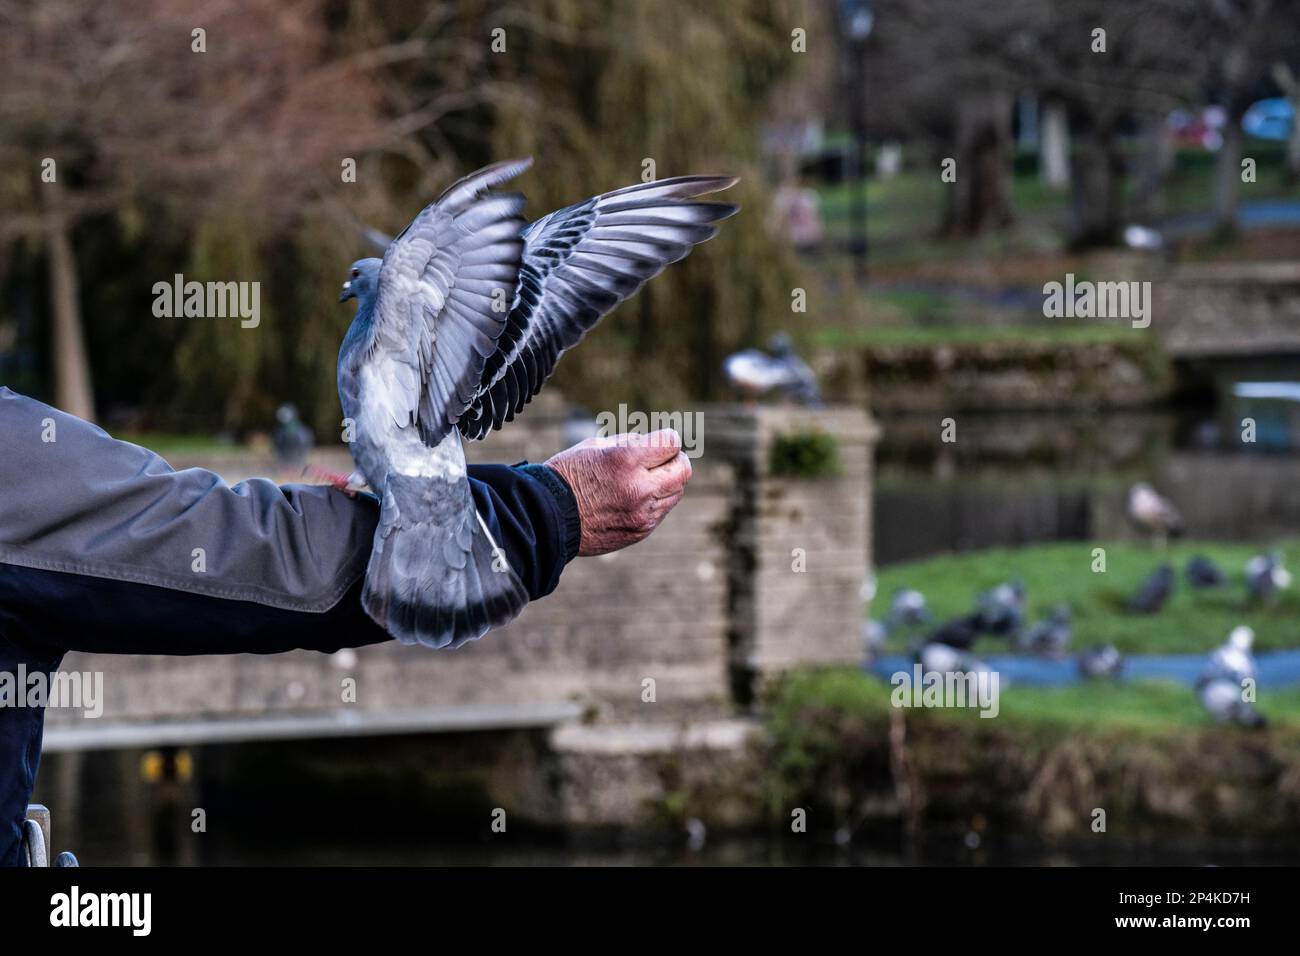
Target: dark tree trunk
x=1096, y=177
x=1227, y=175
x=1291, y=176
x=73, y=392
x=1157, y=158
x=981, y=196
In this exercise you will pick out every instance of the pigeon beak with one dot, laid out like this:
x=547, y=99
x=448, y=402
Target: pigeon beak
x=347, y=292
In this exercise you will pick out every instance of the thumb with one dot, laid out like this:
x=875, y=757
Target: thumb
x=656, y=448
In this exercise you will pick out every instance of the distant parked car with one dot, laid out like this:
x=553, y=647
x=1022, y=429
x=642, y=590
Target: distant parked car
x=1200, y=129
x=1269, y=119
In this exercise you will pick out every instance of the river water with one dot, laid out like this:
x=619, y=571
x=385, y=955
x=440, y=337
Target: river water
x=1275, y=668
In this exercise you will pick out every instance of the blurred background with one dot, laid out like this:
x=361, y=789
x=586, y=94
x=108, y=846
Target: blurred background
x=913, y=172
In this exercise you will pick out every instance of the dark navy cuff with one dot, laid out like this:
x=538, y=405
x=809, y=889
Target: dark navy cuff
x=565, y=500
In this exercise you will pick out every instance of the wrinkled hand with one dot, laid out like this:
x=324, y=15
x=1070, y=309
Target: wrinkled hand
x=625, y=485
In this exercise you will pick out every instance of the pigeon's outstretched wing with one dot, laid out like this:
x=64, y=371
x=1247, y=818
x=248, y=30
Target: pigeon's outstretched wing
x=578, y=264
x=443, y=298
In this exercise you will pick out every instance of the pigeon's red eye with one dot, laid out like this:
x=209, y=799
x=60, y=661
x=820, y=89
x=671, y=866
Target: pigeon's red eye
x=356, y=273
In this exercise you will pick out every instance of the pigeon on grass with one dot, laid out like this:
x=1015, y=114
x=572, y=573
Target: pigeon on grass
x=1265, y=576
x=1151, y=512
x=1154, y=592
x=1100, y=662
x=1048, y=638
x=1201, y=572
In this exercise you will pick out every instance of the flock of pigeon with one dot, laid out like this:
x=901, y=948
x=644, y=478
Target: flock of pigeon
x=1000, y=612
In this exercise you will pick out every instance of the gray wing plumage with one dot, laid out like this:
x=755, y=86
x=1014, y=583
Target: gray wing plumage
x=578, y=263
x=443, y=299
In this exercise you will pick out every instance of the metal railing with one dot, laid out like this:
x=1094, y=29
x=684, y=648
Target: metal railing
x=36, y=839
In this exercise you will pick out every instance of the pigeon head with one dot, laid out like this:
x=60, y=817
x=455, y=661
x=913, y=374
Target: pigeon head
x=362, y=280
x=780, y=345
x=1241, y=638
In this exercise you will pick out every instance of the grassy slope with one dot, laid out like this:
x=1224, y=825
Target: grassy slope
x=1139, y=706
x=1060, y=573
x=858, y=336
x=1192, y=622
x=1148, y=707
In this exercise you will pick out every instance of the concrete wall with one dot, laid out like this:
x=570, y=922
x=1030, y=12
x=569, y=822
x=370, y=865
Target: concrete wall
x=1221, y=309
x=800, y=547
x=1018, y=375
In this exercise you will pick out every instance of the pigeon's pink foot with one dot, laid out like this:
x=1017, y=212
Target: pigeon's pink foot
x=350, y=485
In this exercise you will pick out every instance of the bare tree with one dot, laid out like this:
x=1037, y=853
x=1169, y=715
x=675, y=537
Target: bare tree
x=1112, y=66
x=1241, y=42
x=171, y=104
x=949, y=70
x=935, y=70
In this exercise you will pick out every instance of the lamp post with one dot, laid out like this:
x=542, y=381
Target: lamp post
x=856, y=21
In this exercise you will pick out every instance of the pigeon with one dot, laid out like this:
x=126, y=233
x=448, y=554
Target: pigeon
x=1048, y=638
x=959, y=632
x=945, y=659
x=696, y=834
x=1233, y=661
x=1154, y=592
x=1265, y=576
x=1227, y=705
x=1202, y=573
x=1222, y=684
x=1143, y=237
x=908, y=609
x=457, y=328
x=1100, y=662
x=291, y=439
x=1001, y=610
x=1206, y=436
x=874, y=635
x=1152, y=513
x=755, y=372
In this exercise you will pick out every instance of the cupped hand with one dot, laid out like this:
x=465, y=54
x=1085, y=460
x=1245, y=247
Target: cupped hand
x=625, y=485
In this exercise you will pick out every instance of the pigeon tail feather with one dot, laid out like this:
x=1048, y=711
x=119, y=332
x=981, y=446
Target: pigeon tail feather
x=436, y=576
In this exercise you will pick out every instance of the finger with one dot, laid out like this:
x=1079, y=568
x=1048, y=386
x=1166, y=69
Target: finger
x=665, y=505
x=651, y=512
x=671, y=478
x=655, y=448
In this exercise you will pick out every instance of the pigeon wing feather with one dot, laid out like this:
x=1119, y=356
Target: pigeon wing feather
x=443, y=294
x=578, y=264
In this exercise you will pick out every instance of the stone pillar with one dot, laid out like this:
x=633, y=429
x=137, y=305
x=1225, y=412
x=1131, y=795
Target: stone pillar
x=801, y=543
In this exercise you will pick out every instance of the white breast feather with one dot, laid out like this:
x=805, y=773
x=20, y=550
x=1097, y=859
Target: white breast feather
x=381, y=426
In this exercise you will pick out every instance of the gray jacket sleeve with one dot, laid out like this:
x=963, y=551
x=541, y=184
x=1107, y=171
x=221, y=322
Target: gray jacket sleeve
x=74, y=500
